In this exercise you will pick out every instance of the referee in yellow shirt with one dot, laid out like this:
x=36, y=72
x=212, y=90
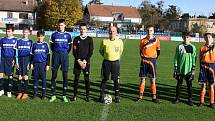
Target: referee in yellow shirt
x=111, y=49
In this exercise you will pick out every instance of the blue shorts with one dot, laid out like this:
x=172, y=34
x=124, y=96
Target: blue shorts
x=60, y=58
x=112, y=67
x=23, y=64
x=77, y=69
x=148, y=67
x=39, y=71
x=6, y=66
x=206, y=73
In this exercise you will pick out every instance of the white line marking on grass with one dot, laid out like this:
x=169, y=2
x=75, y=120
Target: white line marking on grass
x=105, y=113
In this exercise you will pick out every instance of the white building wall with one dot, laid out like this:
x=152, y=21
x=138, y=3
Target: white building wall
x=15, y=19
x=110, y=19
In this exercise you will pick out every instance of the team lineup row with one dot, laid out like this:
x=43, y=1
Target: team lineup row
x=24, y=55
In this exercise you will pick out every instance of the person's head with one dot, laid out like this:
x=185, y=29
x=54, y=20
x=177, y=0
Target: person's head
x=208, y=38
x=41, y=35
x=61, y=25
x=9, y=31
x=83, y=28
x=113, y=32
x=26, y=32
x=150, y=31
x=186, y=37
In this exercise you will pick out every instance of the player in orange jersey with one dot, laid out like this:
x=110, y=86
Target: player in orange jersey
x=207, y=68
x=149, y=52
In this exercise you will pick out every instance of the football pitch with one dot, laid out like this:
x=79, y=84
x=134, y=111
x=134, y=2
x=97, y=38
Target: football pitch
x=128, y=110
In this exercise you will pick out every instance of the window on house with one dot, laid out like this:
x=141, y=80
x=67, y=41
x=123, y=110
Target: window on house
x=23, y=15
x=9, y=15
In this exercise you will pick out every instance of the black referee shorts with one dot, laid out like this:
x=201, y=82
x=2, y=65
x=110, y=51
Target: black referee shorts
x=112, y=67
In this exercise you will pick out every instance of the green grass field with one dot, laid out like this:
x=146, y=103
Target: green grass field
x=128, y=110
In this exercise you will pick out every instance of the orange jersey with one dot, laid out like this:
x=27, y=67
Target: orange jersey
x=207, y=54
x=148, y=48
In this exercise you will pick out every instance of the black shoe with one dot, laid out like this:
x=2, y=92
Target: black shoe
x=87, y=98
x=175, y=101
x=154, y=100
x=201, y=104
x=117, y=100
x=212, y=106
x=73, y=98
x=34, y=96
x=43, y=97
x=190, y=103
x=139, y=100
x=101, y=99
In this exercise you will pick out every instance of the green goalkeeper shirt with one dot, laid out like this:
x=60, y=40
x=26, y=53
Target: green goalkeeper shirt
x=185, y=58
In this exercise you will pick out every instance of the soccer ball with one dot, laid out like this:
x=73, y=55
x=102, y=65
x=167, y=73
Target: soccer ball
x=107, y=99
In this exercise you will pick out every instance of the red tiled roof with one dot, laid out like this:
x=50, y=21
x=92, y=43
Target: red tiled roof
x=17, y=5
x=107, y=10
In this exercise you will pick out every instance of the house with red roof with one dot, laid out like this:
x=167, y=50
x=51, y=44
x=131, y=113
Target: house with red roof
x=121, y=15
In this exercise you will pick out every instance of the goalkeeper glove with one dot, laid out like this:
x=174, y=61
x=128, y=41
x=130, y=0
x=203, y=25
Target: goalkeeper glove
x=191, y=73
x=84, y=64
x=175, y=73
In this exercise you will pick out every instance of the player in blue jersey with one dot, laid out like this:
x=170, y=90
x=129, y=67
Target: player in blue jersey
x=61, y=43
x=40, y=60
x=8, y=52
x=24, y=48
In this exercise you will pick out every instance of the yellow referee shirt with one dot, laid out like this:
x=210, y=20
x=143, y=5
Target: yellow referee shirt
x=111, y=49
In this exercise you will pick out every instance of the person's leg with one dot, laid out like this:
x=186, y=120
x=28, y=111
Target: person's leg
x=178, y=89
x=105, y=72
x=75, y=86
x=202, y=94
x=55, y=66
x=86, y=72
x=65, y=82
x=26, y=84
x=64, y=60
x=189, y=89
x=19, y=87
x=1, y=84
x=115, y=76
x=211, y=88
x=87, y=86
x=142, y=87
x=142, y=75
x=1, y=76
x=153, y=89
x=10, y=85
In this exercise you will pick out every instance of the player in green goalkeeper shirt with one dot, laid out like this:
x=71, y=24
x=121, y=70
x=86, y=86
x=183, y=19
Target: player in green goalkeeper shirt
x=184, y=66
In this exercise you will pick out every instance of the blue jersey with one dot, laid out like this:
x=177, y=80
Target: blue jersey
x=60, y=41
x=8, y=47
x=40, y=52
x=24, y=47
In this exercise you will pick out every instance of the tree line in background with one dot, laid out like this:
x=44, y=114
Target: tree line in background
x=156, y=15
x=49, y=11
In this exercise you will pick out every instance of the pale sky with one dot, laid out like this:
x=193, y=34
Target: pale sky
x=197, y=7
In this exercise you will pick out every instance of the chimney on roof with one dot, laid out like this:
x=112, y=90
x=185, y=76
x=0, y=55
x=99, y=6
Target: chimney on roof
x=25, y=2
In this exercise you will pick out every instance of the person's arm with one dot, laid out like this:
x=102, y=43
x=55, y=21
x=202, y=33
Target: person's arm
x=48, y=55
x=70, y=43
x=175, y=73
x=48, y=60
x=91, y=48
x=121, y=47
x=75, y=49
x=101, y=49
x=194, y=56
x=158, y=49
x=51, y=41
